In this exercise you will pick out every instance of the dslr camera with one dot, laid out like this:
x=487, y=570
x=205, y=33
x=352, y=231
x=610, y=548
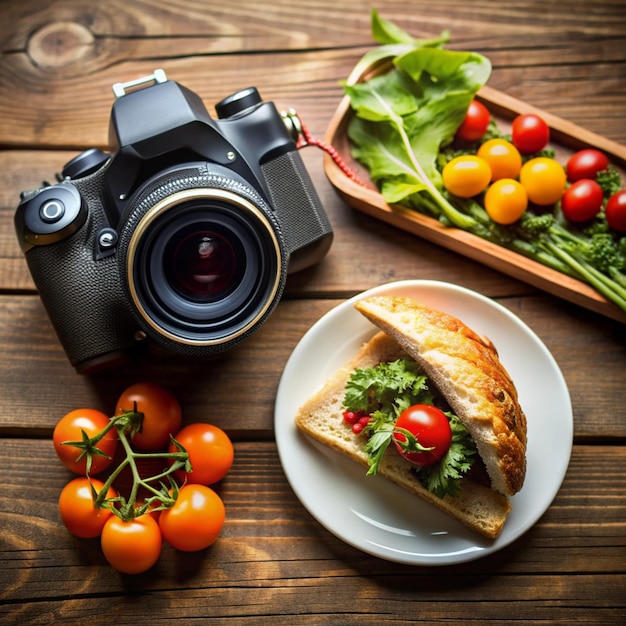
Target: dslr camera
x=183, y=234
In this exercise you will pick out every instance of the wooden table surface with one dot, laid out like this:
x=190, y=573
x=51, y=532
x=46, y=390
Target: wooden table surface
x=274, y=563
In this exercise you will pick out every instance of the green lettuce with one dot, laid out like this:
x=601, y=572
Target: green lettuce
x=404, y=116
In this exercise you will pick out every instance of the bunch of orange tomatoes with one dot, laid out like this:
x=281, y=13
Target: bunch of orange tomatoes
x=143, y=477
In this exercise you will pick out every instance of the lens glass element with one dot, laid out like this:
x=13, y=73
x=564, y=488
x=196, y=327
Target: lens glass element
x=201, y=264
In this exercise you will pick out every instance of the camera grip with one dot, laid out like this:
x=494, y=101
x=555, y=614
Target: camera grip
x=84, y=301
x=304, y=223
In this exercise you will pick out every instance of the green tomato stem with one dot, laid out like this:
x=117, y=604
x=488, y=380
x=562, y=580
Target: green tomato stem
x=129, y=509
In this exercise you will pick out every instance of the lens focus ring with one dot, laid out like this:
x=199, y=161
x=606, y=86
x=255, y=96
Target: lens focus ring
x=204, y=264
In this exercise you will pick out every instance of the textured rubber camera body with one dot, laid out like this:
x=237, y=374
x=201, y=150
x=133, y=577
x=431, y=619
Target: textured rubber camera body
x=184, y=233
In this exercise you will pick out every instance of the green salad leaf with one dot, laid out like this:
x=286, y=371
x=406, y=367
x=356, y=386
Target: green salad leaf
x=404, y=116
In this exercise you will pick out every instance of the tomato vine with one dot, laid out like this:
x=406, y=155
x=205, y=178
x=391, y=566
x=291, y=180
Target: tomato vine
x=127, y=508
x=156, y=505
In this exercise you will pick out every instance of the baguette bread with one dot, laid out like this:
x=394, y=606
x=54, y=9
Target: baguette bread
x=479, y=507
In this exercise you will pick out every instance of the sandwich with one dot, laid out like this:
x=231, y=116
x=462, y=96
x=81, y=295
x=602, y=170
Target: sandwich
x=422, y=358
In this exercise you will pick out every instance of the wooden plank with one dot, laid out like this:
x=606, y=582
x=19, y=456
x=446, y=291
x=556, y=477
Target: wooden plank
x=271, y=545
x=72, y=57
x=237, y=391
x=307, y=81
x=125, y=27
x=363, y=253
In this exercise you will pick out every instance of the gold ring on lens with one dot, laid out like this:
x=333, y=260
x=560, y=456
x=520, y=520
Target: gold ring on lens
x=172, y=201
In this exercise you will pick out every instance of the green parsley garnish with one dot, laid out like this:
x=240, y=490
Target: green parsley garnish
x=384, y=392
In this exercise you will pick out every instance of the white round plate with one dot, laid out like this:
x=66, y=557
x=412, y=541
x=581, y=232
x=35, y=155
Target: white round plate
x=378, y=517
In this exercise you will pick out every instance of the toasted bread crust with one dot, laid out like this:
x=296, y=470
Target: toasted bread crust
x=468, y=372
x=478, y=507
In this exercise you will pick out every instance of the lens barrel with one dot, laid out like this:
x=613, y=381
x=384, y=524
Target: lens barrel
x=204, y=265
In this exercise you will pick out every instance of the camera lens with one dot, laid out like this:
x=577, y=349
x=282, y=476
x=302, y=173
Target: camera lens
x=204, y=267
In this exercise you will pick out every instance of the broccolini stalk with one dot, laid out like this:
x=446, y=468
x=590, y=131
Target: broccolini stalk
x=595, y=260
x=606, y=286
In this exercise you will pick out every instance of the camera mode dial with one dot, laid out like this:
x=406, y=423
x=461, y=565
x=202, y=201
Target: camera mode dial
x=85, y=163
x=238, y=102
x=50, y=215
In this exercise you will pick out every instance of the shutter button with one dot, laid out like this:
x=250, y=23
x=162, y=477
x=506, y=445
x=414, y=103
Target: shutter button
x=51, y=211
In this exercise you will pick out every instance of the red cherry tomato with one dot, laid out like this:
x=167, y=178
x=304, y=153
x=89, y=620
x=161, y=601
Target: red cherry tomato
x=195, y=520
x=77, y=510
x=431, y=429
x=529, y=133
x=162, y=414
x=475, y=123
x=131, y=547
x=586, y=164
x=71, y=427
x=210, y=450
x=582, y=200
x=615, y=211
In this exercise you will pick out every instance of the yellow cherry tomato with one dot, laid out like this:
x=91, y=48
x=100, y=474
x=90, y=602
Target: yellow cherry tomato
x=502, y=157
x=466, y=176
x=544, y=180
x=505, y=201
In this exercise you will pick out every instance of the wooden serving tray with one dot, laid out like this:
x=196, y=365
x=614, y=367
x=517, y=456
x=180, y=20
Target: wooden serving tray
x=565, y=138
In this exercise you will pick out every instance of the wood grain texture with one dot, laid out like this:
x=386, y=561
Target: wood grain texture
x=530, y=48
x=274, y=558
x=224, y=390
x=275, y=564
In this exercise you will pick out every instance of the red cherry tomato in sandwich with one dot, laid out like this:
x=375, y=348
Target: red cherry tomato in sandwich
x=586, y=164
x=582, y=200
x=616, y=211
x=476, y=122
x=529, y=133
x=430, y=427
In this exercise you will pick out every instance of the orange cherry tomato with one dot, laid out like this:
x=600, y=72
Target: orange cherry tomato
x=503, y=158
x=76, y=506
x=162, y=414
x=131, y=547
x=195, y=520
x=466, y=176
x=210, y=450
x=506, y=201
x=544, y=180
x=71, y=427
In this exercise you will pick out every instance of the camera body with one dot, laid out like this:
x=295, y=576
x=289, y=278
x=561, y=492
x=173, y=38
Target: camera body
x=184, y=234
